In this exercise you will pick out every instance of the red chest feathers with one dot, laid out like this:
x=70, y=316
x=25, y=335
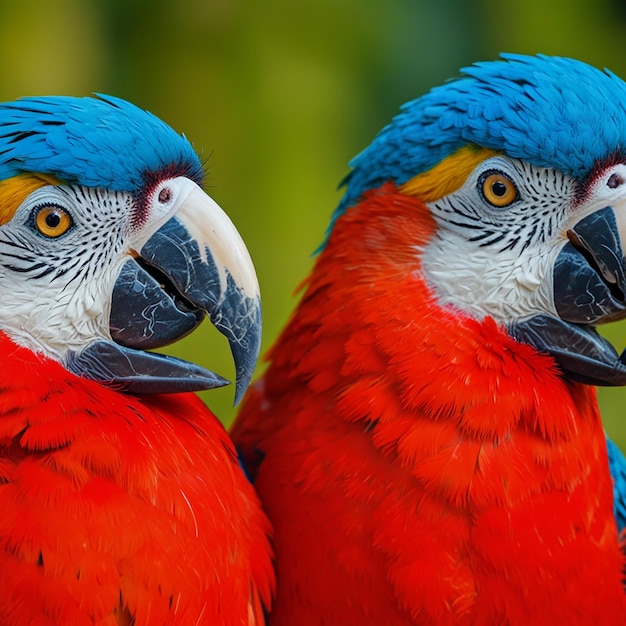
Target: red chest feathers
x=424, y=465
x=116, y=510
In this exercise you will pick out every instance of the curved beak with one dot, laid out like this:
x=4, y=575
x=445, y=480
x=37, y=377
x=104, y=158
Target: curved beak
x=194, y=264
x=589, y=288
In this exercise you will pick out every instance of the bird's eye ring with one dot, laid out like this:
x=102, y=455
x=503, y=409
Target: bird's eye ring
x=52, y=220
x=497, y=189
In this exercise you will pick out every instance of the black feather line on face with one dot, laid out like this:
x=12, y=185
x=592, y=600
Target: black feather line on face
x=544, y=198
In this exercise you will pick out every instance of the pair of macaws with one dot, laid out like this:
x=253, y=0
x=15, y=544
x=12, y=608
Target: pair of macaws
x=426, y=444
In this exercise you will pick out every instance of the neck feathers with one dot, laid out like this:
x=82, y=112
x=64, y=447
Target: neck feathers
x=422, y=379
x=481, y=469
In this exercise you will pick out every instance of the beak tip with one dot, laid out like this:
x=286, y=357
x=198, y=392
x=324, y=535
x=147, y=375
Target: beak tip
x=245, y=345
x=242, y=382
x=245, y=366
x=239, y=394
x=241, y=386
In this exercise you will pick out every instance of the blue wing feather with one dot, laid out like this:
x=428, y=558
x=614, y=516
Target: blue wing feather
x=617, y=465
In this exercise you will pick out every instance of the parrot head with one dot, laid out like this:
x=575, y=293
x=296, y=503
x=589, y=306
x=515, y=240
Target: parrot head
x=109, y=247
x=521, y=163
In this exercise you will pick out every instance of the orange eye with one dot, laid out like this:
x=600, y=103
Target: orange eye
x=52, y=220
x=498, y=189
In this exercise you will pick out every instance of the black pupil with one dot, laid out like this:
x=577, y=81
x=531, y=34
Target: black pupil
x=499, y=188
x=53, y=219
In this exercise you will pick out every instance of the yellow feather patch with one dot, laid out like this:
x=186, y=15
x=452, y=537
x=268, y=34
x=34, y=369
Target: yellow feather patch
x=13, y=191
x=446, y=176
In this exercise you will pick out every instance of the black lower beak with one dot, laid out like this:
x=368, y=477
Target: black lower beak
x=589, y=288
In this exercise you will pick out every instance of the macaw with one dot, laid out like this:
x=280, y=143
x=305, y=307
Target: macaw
x=122, y=499
x=426, y=440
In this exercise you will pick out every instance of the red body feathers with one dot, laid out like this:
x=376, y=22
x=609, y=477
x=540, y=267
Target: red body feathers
x=116, y=509
x=420, y=466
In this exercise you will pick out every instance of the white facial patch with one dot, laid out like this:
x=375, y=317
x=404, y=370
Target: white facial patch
x=498, y=261
x=56, y=290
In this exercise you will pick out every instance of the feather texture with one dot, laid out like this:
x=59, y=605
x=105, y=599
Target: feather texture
x=521, y=105
x=417, y=464
x=119, y=509
x=80, y=140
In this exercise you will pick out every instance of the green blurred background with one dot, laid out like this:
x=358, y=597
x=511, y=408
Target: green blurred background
x=278, y=95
